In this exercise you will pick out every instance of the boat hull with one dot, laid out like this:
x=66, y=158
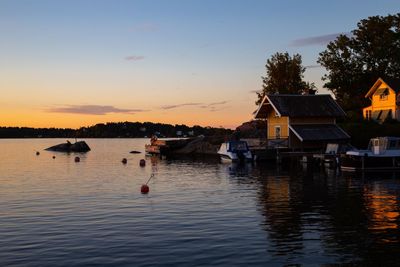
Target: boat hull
x=369, y=163
x=233, y=158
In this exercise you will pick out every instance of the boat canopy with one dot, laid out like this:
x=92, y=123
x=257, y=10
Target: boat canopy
x=385, y=143
x=237, y=146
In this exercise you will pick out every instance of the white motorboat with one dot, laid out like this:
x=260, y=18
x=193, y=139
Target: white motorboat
x=235, y=151
x=383, y=153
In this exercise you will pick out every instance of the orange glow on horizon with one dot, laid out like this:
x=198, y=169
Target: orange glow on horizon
x=41, y=119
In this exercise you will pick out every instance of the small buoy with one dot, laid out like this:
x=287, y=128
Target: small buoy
x=142, y=163
x=144, y=189
x=77, y=159
x=124, y=161
x=37, y=153
x=54, y=157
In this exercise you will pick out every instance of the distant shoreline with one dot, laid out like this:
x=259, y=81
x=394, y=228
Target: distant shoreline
x=114, y=130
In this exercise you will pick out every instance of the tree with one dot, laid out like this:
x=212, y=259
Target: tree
x=355, y=61
x=284, y=75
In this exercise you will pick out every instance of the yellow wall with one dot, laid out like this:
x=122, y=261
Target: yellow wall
x=382, y=104
x=274, y=121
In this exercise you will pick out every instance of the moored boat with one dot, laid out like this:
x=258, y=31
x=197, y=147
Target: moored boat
x=235, y=151
x=164, y=147
x=383, y=153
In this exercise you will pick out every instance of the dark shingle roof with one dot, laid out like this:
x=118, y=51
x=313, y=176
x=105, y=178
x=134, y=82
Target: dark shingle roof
x=323, y=132
x=306, y=105
x=393, y=83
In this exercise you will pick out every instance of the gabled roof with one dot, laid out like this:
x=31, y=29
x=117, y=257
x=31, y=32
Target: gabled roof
x=300, y=106
x=393, y=83
x=323, y=132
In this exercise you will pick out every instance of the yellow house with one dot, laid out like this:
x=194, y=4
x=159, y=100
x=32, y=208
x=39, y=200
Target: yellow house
x=385, y=100
x=301, y=121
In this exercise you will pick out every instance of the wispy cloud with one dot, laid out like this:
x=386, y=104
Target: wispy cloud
x=217, y=103
x=313, y=66
x=317, y=40
x=92, y=110
x=213, y=105
x=180, y=105
x=144, y=27
x=134, y=58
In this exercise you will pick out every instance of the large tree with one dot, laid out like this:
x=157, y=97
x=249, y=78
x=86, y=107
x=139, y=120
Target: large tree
x=355, y=61
x=284, y=75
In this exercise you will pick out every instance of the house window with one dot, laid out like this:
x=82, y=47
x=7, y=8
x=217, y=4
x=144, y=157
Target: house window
x=278, y=132
x=384, y=95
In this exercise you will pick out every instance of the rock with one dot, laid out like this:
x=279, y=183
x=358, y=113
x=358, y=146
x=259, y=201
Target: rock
x=80, y=146
x=199, y=145
x=250, y=129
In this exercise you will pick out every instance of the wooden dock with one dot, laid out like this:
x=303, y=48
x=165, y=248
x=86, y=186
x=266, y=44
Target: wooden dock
x=283, y=155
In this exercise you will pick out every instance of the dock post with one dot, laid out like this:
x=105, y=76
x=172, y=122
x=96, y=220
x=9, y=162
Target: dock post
x=362, y=162
x=278, y=157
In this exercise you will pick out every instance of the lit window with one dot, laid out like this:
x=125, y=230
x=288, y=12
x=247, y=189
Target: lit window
x=277, y=132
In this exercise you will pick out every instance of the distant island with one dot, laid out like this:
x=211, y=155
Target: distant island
x=115, y=130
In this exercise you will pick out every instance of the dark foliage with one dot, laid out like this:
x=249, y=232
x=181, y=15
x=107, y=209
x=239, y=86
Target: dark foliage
x=113, y=130
x=354, y=62
x=284, y=75
x=362, y=131
x=251, y=129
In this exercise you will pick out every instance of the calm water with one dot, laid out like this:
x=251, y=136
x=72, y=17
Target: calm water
x=55, y=212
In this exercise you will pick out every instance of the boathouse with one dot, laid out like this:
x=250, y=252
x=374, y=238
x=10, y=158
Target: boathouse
x=385, y=100
x=301, y=121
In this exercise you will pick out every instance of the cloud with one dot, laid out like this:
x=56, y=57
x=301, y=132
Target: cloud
x=313, y=66
x=213, y=105
x=92, y=110
x=134, y=58
x=317, y=40
x=180, y=105
x=217, y=103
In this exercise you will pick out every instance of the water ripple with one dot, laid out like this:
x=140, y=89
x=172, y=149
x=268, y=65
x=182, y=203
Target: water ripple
x=55, y=212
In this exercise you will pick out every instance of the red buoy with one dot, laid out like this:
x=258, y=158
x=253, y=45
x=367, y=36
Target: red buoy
x=77, y=159
x=142, y=163
x=144, y=189
x=124, y=161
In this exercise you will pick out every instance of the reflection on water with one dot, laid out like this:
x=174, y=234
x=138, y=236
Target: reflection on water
x=351, y=217
x=198, y=213
x=383, y=209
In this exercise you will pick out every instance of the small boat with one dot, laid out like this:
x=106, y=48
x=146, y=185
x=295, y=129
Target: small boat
x=164, y=147
x=383, y=153
x=235, y=151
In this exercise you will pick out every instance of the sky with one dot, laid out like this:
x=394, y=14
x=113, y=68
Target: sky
x=76, y=63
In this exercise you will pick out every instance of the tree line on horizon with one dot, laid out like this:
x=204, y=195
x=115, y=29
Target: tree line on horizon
x=353, y=63
x=115, y=130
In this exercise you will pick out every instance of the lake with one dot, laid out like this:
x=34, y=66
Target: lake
x=199, y=212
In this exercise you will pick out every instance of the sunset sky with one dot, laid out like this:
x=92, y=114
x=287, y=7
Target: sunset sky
x=78, y=63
